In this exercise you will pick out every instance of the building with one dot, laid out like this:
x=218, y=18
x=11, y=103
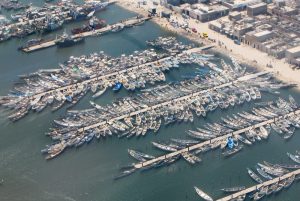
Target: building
x=237, y=5
x=293, y=55
x=284, y=10
x=255, y=39
x=256, y=9
x=240, y=30
x=234, y=16
x=216, y=26
x=177, y=2
x=206, y=13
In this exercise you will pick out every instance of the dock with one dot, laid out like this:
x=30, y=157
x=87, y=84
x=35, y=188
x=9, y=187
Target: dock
x=217, y=139
x=182, y=98
x=127, y=23
x=254, y=188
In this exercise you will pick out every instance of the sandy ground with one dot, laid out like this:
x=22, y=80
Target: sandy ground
x=243, y=53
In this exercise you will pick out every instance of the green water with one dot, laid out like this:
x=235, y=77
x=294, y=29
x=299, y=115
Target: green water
x=85, y=174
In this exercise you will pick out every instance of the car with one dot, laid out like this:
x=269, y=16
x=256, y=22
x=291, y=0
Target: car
x=237, y=42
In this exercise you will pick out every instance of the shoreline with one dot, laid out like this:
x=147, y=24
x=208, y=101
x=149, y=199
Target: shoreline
x=255, y=58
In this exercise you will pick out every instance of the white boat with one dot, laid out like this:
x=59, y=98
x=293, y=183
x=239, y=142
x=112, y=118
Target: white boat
x=99, y=93
x=202, y=194
x=295, y=158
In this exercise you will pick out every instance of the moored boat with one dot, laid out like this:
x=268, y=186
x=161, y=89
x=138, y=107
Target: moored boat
x=202, y=194
x=233, y=189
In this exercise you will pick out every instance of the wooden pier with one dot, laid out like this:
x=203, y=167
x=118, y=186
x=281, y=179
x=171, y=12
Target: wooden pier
x=182, y=98
x=254, y=188
x=215, y=140
x=126, y=23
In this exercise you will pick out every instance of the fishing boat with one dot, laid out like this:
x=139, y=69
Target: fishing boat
x=31, y=42
x=117, y=27
x=258, y=196
x=55, y=150
x=117, y=86
x=134, y=153
x=295, y=158
x=99, y=93
x=232, y=151
x=164, y=147
x=263, y=173
x=244, y=140
x=254, y=176
x=184, y=142
x=94, y=24
x=285, y=166
x=202, y=194
x=272, y=171
x=233, y=189
x=190, y=158
x=289, y=181
x=66, y=41
x=125, y=173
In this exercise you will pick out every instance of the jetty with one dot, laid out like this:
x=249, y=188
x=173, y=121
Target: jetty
x=214, y=140
x=127, y=23
x=182, y=98
x=254, y=188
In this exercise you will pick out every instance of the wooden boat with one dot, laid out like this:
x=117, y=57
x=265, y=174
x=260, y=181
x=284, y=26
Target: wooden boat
x=202, y=194
x=233, y=189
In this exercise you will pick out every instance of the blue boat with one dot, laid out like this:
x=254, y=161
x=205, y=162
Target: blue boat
x=230, y=143
x=117, y=86
x=69, y=98
x=89, y=137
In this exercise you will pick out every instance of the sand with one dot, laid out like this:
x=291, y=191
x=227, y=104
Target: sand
x=243, y=53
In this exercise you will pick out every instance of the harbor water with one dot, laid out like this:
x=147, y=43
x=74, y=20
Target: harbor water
x=86, y=173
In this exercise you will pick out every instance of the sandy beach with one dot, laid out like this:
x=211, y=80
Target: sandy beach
x=243, y=53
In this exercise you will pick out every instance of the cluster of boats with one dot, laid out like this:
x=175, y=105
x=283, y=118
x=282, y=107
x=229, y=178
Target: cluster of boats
x=93, y=73
x=244, y=122
x=135, y=116
x=93, y=24
x=166, y=43
x=48, y=18
x=13, y=5
x=268, y=171
x=94, y=27
x=265, y=171
x=285, y=125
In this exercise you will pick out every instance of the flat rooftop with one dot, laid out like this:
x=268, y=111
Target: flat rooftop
x=257, y=5
x=262, y=33
x=294, y=49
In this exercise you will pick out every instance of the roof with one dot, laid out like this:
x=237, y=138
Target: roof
x=262, y=33
x=216, y=24
x=294, y=49
x=235, y=13
x=257, y=5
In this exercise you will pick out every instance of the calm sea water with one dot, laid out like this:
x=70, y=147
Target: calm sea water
x=86, y=174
